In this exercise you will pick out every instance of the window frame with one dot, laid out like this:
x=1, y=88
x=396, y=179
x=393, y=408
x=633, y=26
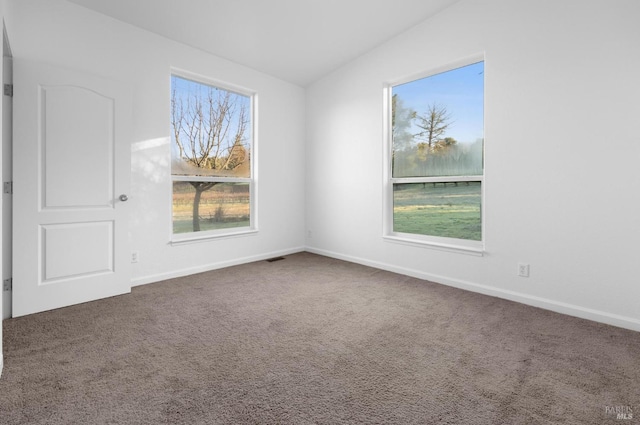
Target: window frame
x=252, y=180
x=465, y=246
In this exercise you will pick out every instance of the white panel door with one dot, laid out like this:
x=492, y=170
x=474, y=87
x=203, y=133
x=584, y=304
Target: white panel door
x=71, y=169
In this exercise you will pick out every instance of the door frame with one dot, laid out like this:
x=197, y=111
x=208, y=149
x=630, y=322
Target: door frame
x=5, y=237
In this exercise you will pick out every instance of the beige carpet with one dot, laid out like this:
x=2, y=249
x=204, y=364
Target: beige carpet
x=312, y=340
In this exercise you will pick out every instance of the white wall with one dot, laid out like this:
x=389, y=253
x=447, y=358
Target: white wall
x=562, y=150
x=58, y=32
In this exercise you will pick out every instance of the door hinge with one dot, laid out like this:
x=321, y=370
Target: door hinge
x=8, y=90
x=7, y=187
x=7, y=284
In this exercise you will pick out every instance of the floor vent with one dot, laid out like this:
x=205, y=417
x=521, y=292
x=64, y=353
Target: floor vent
x=271, y=260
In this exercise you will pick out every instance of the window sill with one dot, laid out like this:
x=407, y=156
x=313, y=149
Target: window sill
x=205, y=237
x=475, y=248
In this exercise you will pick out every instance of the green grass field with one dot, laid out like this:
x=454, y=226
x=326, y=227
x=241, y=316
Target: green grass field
x=444, y=210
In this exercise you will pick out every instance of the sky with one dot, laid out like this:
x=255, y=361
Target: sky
x=460, y=90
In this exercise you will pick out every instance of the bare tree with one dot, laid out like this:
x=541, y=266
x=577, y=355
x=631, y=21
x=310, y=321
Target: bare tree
x=209, y=126
x=433, y=124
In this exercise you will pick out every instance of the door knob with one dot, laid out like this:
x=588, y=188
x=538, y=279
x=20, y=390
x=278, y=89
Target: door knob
x=124, y=198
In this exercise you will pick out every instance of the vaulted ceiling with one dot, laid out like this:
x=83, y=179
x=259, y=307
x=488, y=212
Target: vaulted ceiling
x=295, y=40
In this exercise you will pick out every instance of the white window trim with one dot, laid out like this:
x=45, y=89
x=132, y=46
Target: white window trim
x=176, y=239
x=209, y=235
x=462, y=246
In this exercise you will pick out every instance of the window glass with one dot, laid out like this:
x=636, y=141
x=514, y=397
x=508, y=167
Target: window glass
x=438, y=209
x=437, y=154
x=211, y=130
x=219, y=206
x=211, y=145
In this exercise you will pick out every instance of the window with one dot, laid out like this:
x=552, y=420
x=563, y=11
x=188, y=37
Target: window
x=435, y=157
x=211, y=167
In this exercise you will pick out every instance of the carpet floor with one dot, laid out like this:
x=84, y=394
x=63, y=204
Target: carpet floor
x=314, y=340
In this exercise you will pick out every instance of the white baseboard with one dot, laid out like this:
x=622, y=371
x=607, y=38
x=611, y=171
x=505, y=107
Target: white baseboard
x=544, y=303
x=212, y=266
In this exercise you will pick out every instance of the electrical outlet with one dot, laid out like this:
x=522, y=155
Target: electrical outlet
x=134, y=256
x=309, y=234
x=523, y=270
